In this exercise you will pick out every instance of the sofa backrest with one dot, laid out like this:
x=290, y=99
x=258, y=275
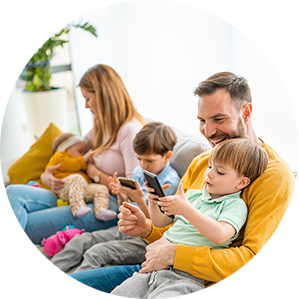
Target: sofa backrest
x=187, y=148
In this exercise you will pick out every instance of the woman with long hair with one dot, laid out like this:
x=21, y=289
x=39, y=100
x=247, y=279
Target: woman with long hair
x=116, y=122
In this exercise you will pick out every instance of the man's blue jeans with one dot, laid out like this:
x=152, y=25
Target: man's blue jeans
x=37, y=212
x=90, y=284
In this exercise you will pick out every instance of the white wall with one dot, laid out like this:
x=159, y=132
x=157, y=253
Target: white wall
x=266, y=51
x=162, y=50
x=12, y=141
x=159, y=48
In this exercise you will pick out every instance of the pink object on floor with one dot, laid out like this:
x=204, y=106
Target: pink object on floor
x=56, y=243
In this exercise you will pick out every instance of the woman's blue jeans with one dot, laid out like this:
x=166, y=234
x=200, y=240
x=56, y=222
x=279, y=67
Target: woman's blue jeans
x=90, y=284
x=37, y=212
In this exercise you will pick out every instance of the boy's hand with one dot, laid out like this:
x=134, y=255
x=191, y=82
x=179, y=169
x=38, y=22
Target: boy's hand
x=114, y=184
x=152, y=197
x=174, y=205
x=135, y=195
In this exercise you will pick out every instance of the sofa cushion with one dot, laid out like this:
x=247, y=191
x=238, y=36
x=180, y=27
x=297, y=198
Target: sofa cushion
x=32, y=164
x=186, y=149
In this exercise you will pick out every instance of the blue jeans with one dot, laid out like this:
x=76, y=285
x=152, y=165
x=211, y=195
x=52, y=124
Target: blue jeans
x=37, y=212
x=90, y=284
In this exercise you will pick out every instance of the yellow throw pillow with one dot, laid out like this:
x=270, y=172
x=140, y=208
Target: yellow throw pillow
x=283, y=279
x=32, y=164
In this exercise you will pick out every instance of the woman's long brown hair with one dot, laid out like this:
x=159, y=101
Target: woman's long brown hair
x=114, y=105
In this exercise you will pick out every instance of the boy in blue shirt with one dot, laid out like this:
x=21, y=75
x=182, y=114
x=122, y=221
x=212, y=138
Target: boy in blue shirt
x=153, y=148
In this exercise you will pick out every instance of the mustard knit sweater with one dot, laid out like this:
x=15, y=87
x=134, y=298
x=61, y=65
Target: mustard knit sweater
x=68, y=165
x=267, y=199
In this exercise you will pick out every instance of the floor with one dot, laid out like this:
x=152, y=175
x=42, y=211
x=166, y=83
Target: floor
x=6, y=284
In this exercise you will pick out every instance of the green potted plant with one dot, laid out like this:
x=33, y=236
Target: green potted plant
x=35, y=58
x=45, y=103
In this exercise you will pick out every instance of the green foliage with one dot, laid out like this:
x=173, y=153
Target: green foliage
x=37, y=71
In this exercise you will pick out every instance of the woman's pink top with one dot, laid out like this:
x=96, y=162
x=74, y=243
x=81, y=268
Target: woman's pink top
x=120, y=156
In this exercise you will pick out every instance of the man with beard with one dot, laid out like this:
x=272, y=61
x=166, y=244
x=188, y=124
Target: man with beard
x=224, y=112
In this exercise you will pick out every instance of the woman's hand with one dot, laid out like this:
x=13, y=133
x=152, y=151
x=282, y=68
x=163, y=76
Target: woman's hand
x=48, y=179
x=132, y=221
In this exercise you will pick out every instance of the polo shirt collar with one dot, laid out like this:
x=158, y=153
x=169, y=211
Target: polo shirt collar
x=206, y=196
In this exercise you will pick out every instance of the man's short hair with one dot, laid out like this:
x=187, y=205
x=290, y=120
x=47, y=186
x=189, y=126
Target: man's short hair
x=243, y=155
x=236, y=86
x=154, y=138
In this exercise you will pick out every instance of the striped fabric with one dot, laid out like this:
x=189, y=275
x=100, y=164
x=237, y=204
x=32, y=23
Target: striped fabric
x=283, y=280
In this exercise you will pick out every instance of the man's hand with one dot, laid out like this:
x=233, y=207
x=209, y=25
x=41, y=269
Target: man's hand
x=132, y=221
x=48, y=179
x=159, y=255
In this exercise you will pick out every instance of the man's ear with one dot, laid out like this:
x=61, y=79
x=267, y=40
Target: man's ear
x=167, y=156
x=243, y=182
x=246, y=112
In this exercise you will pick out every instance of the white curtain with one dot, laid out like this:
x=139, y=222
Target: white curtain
x=162, y=50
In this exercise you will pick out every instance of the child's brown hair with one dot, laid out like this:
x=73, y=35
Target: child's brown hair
x=154, y=138
x=243, y=155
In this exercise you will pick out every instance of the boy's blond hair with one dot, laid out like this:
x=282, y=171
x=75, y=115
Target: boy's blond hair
x=243, y=155
x=154, y=138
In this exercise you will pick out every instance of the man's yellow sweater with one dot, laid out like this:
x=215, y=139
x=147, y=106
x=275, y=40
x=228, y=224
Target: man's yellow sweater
x=267, y=199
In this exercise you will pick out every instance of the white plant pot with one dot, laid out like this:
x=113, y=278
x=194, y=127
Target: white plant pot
x=45, y=107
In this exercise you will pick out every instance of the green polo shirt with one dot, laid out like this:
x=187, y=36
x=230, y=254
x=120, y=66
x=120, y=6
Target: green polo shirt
x=230, y=208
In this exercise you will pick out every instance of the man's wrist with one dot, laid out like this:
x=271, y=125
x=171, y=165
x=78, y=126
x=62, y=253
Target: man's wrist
x=148, y=229
x=172, y=254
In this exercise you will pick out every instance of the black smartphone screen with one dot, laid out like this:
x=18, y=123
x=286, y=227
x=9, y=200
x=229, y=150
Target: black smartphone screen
x=127, y=183
x=154, y=183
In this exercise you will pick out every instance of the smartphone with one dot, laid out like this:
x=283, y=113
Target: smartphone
x=127, y=183
x=154, y=183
